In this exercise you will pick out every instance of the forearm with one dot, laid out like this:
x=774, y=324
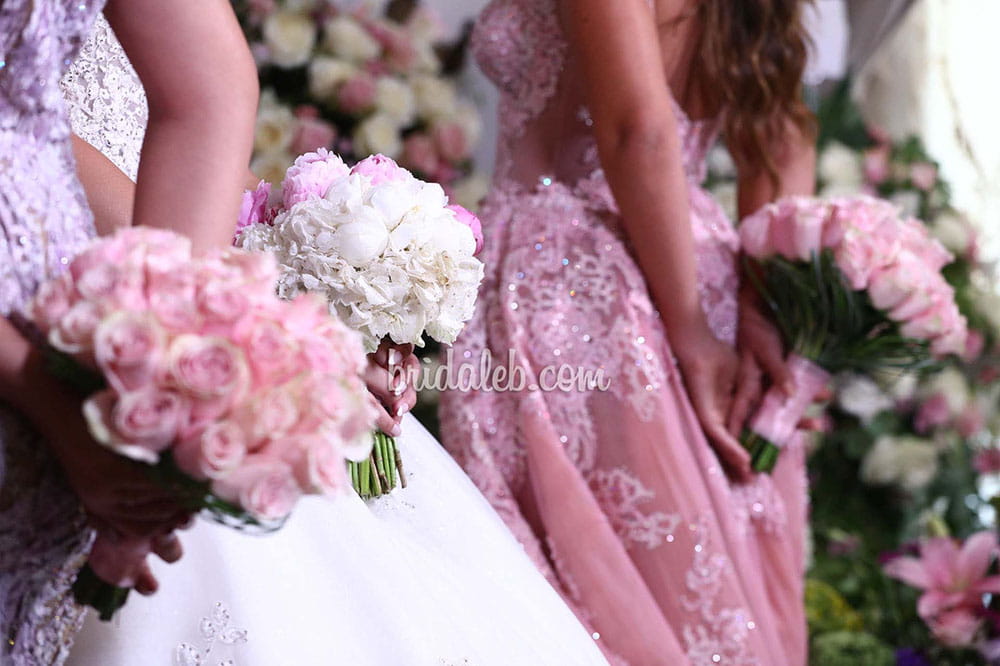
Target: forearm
x=794, y=158
x=110, y=193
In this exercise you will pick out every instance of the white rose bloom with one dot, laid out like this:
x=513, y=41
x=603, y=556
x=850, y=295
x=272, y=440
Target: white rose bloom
x=861, y=396
x=436, y=98
x=326, y=74
x=908, y=462
x=953, y=231
x=378, y=134
x=394, y=98
x=275, y=126
x=840, y=166
x=271, y=166
x=908, y=200
x=348, y=39
x=290, y=37
x=951, y=384
x=471, y=190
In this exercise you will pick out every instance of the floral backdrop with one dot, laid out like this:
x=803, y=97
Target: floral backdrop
x=905, y=472
x=343, y=76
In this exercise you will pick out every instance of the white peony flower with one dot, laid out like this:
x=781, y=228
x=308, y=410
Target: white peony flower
x=290, y=37
x=860, y=396
x=436, y=98
x=379, y=133
x=326, y=74
x=275, y=126
x=840, y=167
x=348, y=39
x=394, y=98
x=908, y=462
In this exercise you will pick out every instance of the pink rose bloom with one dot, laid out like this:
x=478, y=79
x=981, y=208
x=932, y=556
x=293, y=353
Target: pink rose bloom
x=987, y=461
x=809, y=227
x=271, y=415
x=952, y=576
x=105, y=251
x=312, y=133
x=273, y=354
x=208, y=368
x=128, y=348
x=420, y=154
x=172, y=298
x=856, y=259
x=75, y=331
x=259, y=270
x=755, y=234
x=357, y=94
x=876, y=164
x=310, y=176
x=318, y=466
x=380, y=169
x=451, y=142
x=924, y=175
x=934, y=412
x=956, y=628
x=471, y=221
x=52, y=302
x=263, y=487
x=890, y=287
x=254, y=209
x=139, y=424
x=219, y=450
x=953, y=340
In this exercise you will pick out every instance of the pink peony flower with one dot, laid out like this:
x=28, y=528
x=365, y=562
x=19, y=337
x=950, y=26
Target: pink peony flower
x=265, y=488
x=923, y=175
x=357, y=94
x=380, y=169
x=471, y=221
x=208, y=368
x=139, y=424
x=310, y=176
x=128, y=348
x=254, y=208
x=216, y=452
x=312, y=133
x=952, y=576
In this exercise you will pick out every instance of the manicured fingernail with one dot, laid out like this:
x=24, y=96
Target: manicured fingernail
x=396, y=431
x=400, y=389
x=402, y=409
x=394, y=357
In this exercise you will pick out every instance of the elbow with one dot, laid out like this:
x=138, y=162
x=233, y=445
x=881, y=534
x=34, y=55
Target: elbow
x=227, y=94
x=638, y=134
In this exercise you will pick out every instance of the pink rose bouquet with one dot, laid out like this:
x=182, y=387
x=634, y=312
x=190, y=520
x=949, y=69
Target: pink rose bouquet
x=388, y=252
x=193, y=366
x=852, y=285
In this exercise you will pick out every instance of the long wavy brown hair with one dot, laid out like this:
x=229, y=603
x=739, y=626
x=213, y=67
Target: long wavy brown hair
x=749, y=66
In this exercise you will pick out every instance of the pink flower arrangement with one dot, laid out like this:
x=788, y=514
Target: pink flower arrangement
x=954, y=578
x=201, y=360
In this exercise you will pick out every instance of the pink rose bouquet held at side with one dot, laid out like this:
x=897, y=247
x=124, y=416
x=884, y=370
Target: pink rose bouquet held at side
x=388, y=252
x=852, y=285
x=240, y=401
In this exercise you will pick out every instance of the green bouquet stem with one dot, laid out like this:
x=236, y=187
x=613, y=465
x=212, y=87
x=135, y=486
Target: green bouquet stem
x=105, y=598
x=382, y=472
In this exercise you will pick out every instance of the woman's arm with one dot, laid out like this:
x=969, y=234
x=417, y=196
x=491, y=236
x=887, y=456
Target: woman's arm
x=794, y=158
x=110, y=193
x=618, y=48
x=201, y=85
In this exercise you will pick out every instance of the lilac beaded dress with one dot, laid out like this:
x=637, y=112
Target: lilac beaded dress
x=44, y=221
x=616, y=494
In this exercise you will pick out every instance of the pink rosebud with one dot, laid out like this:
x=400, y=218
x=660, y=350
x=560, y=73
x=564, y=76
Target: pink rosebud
x=933, y=413
x=923, y=175
x=357, y=94
x=139, y=424
x=420, y=154
x=254, y=208
x=128, y=348
x=311, y=176
x=451, y=141
x=876, y=164
x=471, y=221
x=219, y=450
x=264, y=488
x=380, y=169
x=312, y=133
x=208, y=368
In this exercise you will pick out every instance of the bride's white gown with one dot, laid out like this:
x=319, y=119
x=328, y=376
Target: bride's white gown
x=428, y=575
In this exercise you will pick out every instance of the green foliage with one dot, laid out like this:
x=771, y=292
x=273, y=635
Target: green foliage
x=844, y=648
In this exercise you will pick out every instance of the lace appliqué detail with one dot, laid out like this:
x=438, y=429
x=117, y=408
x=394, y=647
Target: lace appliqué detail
x=620, y=495
x=106, y=100
x=215, y=629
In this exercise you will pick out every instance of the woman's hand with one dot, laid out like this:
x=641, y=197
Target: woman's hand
x=710, y=368
x=122, y=561
x=389, y=370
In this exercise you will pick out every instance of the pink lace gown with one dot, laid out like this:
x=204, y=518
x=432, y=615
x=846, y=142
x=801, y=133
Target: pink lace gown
x=616, y=494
